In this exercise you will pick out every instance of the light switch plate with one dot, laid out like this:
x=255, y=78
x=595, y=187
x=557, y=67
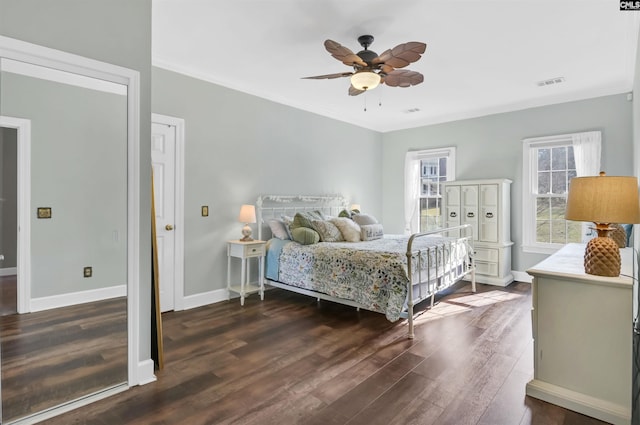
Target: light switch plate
x=88, y=271
x=205, y=210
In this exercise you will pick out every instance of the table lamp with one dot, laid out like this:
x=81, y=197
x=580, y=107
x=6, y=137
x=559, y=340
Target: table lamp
x=247, y=215
x=603, y=200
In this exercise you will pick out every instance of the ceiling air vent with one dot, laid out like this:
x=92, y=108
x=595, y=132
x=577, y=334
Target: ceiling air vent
x=550, y=81
x=409, y=111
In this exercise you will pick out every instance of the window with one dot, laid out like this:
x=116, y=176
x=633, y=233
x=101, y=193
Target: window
x=549, y=164
x=424, y=172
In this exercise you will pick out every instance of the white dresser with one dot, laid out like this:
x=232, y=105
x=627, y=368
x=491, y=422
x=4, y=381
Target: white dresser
x=582, y=331
x=486, y=205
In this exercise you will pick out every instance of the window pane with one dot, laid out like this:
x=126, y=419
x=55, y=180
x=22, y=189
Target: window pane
x=558, y=207
x=574, y=231
x=570, y=174
x=571, y=161
x=543, y=209
x=542, y=231
x=559, y=158
x=544, y=182
x=559, y=182
x=544, y=159
x=558, y=231
x=443, y=168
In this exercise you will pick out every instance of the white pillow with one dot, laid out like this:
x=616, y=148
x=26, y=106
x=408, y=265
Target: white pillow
x=278, y=229
x=369, y=232
x=350, y=229
x=364, y=219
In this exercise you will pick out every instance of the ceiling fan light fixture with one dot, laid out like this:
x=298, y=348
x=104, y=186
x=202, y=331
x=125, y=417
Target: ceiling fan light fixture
x=365, y=80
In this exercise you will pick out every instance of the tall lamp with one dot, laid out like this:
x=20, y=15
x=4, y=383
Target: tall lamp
x=603, y=200
x=247, y=215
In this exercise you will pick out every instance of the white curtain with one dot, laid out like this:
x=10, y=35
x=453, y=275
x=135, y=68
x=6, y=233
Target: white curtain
x=411, y=192
x=586, y=151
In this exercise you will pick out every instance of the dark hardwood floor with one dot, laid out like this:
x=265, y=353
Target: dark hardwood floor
x=57, y=355
x=290, y=360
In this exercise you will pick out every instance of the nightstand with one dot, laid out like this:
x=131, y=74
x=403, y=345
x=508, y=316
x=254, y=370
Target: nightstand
x=245, y=251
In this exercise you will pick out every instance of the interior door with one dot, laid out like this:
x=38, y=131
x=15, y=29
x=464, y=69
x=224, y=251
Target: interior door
x=163, y=157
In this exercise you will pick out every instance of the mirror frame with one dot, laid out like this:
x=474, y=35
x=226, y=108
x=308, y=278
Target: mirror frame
x=139, y=372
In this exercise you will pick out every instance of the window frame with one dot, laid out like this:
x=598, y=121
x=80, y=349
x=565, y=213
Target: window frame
x=450, y=154
x=530, y=189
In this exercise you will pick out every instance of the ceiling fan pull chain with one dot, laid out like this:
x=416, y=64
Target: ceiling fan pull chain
x=365, y=101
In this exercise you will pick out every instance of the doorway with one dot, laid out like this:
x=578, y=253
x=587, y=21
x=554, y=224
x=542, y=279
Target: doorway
x=167, y=157
x=8, y=220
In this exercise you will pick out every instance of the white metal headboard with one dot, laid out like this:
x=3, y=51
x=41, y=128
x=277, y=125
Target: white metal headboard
x=275, y=206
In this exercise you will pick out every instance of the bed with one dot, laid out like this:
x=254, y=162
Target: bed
x=388, y=274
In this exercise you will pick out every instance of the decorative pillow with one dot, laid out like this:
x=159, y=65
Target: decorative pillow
x=278, y=229
x=327, y=230
x=364, y=219
x=369, y=232
x=345, y=213
x=350, y=229
x=304, y=219
x=305, y=236
x=288, y=221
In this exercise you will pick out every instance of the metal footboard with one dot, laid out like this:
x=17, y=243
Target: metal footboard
x=434, y=268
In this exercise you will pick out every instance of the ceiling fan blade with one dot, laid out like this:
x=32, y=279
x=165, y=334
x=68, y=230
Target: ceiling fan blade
x=343, y=54
x=329, y=76
x=401, y=55
x=403, y=78
x=354, y=91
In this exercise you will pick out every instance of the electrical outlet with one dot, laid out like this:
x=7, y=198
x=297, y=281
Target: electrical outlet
x=205, y=210
x=88, y=271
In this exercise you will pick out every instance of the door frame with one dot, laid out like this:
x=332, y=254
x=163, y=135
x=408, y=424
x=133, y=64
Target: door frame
x=140, y=371
x=178, y=265
x=23, y=259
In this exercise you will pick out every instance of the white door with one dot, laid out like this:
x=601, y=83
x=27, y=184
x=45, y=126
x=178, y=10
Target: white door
x=163, y=154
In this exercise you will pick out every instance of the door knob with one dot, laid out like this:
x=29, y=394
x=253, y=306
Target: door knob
x=168, y=227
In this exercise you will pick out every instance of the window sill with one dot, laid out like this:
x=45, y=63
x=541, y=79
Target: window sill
x=538, y=249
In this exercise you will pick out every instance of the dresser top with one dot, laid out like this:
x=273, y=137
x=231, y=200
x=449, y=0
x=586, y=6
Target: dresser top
x=568, y=263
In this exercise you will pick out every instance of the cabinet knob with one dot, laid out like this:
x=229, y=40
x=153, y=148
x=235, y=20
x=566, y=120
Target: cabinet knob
x=470, y=215
x=489, y=215
x=453, y=214
x=168, y=227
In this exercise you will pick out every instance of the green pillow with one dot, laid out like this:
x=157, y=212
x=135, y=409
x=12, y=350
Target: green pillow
x=304, y=219
x=305, y=236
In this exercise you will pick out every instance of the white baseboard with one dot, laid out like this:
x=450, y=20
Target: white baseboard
x=145, y=372
x=74, y=298
x=522, y=276
x=581, y=403
x=205, y=298
x=8, y=271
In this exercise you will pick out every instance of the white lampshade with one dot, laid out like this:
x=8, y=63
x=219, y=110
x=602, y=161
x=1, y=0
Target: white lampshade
x=247, y=214
x=365, y=80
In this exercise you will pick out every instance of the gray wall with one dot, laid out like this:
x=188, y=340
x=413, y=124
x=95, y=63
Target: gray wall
x=240, y=146
x=491, y=147
x=117, y=32
x=8, y=196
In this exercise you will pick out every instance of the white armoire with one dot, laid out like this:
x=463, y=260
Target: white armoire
x=486, y=205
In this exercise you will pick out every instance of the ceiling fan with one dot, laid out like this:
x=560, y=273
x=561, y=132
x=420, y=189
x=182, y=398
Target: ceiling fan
x=370, y=70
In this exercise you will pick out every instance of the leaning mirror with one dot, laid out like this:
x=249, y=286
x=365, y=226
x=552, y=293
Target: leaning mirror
x=66, y=257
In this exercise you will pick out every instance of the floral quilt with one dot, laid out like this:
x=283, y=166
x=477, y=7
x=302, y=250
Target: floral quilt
x=371, y=273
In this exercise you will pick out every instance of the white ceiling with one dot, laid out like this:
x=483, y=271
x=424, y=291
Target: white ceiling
x=482, y=57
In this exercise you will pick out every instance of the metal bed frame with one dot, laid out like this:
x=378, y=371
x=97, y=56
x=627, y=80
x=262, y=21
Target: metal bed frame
x=428, y=279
